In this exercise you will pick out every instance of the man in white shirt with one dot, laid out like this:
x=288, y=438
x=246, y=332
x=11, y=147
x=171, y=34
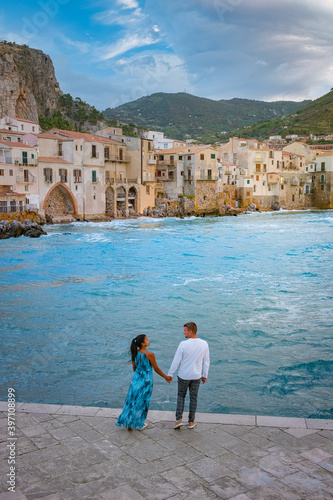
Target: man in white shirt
x=193, y=356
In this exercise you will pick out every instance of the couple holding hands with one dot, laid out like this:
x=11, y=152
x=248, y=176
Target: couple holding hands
x=193, y=357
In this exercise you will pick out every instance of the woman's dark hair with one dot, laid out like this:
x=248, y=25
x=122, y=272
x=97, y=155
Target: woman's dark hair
x=136, y=344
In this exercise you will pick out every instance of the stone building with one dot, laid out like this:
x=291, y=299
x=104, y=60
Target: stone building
x=191, y=172
x=323, y=181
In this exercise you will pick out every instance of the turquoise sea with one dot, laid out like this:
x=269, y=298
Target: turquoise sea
x=259, y=287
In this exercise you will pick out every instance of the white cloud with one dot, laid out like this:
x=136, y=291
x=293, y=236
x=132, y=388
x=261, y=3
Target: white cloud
x=124, y=45
x=128, y=4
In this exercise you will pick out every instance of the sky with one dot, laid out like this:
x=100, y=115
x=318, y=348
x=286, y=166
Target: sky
x=108, y=52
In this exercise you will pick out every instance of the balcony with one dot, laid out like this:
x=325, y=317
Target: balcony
x=166, y=163
x=94, y=156
x=208, y=178
x=31, y=162
x=26, y=178
x=125, y=180
x=120, y=159
x=151, y=162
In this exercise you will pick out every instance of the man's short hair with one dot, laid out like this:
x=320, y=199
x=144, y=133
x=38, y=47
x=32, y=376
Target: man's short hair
x=191, y=326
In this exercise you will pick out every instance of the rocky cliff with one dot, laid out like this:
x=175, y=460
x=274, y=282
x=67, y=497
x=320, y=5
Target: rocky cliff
x=28, y=85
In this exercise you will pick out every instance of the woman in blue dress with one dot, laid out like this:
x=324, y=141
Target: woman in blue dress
x=138, y=397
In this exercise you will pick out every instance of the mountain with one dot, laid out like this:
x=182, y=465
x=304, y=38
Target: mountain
x=314, y=118
x=29, y=89
x=184, y=115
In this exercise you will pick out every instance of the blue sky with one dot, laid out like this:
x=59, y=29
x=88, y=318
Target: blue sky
x=108, y=52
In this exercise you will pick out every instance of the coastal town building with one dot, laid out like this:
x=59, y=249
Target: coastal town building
x=190, y=172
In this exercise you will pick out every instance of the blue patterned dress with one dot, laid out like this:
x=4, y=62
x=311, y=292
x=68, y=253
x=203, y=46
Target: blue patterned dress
x=139, y=394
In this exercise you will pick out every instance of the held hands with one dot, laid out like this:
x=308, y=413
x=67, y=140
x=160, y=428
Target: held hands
x=168, y=379
x=204, y=380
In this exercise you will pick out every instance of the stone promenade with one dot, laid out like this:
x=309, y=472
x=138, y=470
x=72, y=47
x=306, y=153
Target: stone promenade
x=70, y=452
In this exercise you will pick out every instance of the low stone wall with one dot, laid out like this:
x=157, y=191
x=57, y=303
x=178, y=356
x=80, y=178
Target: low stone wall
x=22, y=216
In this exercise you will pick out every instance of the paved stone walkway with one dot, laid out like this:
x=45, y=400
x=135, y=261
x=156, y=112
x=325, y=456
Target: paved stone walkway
x=70, y=452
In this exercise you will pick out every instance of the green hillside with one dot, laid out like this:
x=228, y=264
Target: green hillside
x=184, y=115
x=314, y=118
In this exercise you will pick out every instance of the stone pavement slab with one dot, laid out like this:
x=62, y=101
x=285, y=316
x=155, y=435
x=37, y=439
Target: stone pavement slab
x=71, y=452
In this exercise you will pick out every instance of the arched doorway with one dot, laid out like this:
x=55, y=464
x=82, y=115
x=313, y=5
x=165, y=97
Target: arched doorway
x=59, y=202
x=121, y=201
x=109, y=201
x=132, y=199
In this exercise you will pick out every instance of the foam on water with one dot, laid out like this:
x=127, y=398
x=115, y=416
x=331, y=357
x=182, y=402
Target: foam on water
x=259, y=287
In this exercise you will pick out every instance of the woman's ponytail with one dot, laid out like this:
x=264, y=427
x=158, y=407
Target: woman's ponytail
x=135, y=345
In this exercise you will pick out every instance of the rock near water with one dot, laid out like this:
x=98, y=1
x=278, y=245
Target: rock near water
x=16, y=229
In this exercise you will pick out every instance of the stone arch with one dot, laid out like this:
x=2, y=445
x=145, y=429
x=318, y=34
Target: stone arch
x=59, y=201
x=109, y=201
x=121, y=197
x=132, y=199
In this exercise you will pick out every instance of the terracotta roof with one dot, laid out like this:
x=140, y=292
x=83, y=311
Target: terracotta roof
x=325, y=153
x=13, y=132
x=4, y=193
x=23, y=120
x=16, y=144
x=185, y=150
x=292, y=154
x=51, y=136
x=86, y=137
x=48, y=159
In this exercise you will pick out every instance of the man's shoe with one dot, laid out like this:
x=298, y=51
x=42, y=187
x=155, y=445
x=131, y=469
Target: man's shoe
x=178, y=424
x=191, y=425
x=144, y=427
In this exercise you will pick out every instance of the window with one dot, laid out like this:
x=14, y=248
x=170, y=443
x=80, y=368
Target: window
x=26, y=188
x=278, y=164
x=63, y=174
x=271, y=154
x=282, y=186
x=257, y=177
x=202, y=157
x=307, y=189
x=77, y=175
x=189, y=157
x=107, y=176
x=24, y=158
x=160, y=157
x=257, y=167
x=2, y=172
x=293, y=197
x=248, y=181
x=181, y=158
x=22, y=127
x=322, y=187
x=26, y=175
x=322, y=178
x=209, y=175
x=225, y=156
x=33, y=129
x=93, y=151
x=76, y=147
x=265, y=167
x=8, y=139
x=94, y=175
x=60, y=153
x=322, y=166
x=48, y=174
x=234, y=157
x=11, y=173
x=3, y=206
x=147, y=189
x=107, y=153
x=149, y=149
x=254, y=188
x=306, y=169
x=212, y=156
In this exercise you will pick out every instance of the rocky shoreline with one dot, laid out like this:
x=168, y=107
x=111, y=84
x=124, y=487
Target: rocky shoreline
x=15, y=229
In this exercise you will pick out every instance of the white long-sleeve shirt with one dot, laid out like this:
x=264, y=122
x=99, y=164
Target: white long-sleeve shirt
x=193, y=356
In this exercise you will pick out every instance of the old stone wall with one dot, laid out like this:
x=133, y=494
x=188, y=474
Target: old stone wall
x=323, y=192
x=22, y=216
x=206, y=196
